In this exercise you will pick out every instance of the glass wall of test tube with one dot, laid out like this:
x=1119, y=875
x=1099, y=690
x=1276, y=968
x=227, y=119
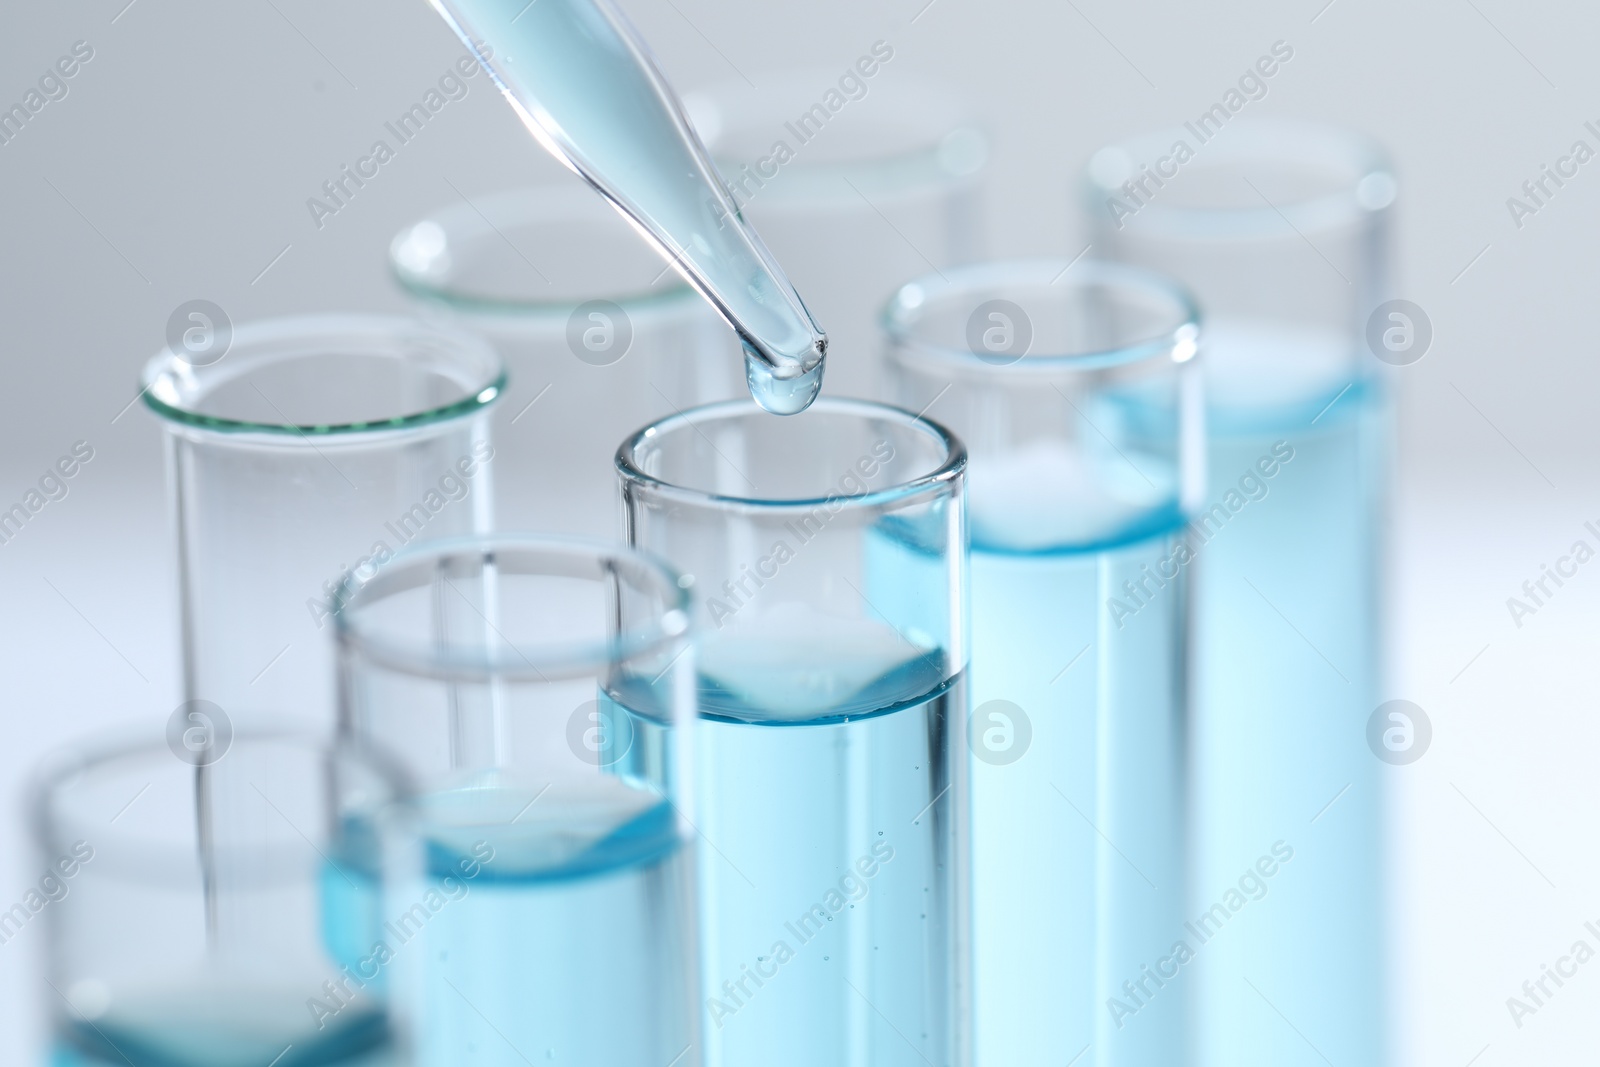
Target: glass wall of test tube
x=302, y=448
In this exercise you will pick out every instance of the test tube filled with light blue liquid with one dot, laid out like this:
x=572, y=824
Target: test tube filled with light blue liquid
x=1280, y=229
x=1073, y=384
x=537, y=690
x=169, y=947
x=827, y=552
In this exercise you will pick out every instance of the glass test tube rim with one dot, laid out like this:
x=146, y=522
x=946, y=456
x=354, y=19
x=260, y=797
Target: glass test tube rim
x=1370, y=190
x=145, y=862
x=527, y=661
x=951, y=468
x=550, y=203
x=173, y=388
x=903, y=311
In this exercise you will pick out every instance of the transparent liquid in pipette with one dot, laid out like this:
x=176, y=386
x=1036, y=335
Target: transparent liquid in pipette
x=581, y=81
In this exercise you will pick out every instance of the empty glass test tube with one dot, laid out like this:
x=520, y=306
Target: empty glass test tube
x=297, y=449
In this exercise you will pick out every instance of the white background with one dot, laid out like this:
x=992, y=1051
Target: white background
x=179, y=164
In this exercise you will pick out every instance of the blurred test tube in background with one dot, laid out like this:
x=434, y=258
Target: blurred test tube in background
x=1280, y=229
x=599, y=333
x=1074, y=386
x=857, y=179
x=164, y=952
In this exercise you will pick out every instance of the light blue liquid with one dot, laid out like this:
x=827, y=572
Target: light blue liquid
x=832, y=795
x=552, y=945
x=1077, y=843
x=197, y=1031
x=832, y=880
x=1280, y=731
x=237, y=1010
x=583, y=83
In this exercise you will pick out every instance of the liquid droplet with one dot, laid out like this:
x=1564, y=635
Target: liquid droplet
x=777, y=393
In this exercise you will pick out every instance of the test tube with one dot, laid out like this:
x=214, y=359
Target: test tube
x=279, y=950
x=297, y=449
x=864, y=157
x=589, y=319
x=1281, y=230
x=1074, y=386
x=537, y=691
x=827, y=551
